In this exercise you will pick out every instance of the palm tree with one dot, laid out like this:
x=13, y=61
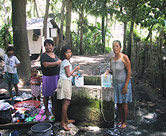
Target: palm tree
x=102, y=9
x=82, y=8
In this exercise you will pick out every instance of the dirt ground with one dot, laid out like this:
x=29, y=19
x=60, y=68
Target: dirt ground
x=146, y=113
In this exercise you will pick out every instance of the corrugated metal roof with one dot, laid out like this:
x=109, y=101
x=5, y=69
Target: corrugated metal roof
x=35, y=23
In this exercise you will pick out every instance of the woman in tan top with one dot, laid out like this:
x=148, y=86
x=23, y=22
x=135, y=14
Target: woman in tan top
x=121, y=71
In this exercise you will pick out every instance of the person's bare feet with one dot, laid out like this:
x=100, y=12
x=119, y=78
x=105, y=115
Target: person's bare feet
x=123, y=125
x=64, y=126
x=70, y=121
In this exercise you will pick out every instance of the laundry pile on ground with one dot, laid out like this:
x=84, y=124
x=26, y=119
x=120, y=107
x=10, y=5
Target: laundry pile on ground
x=23, y=109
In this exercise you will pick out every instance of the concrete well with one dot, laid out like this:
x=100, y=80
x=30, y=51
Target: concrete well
x=91, y=105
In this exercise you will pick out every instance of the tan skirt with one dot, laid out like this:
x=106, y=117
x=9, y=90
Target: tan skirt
x=64, y=89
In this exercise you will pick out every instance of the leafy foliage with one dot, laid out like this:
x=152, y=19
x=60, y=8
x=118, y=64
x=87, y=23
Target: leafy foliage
x=136, y=36
x=91, y=42
x=5, y=36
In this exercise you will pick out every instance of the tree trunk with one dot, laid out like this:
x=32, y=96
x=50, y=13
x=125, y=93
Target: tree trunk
x=96, y=21
x=68, y=22
x=103, y=33
x=144, y=59
x=106, y=29
x=161, y=61
x=20, y=38
x=37, y=13
x=45, y=19
x=124, y=37
x=78, y=26
x=130, y=40
x=81, y=31
x=149, y=34
x=61, y=24
x=104, y=15
x=55, y=39
x=136, y=58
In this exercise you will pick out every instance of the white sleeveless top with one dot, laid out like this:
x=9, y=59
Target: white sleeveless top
x=118, y=70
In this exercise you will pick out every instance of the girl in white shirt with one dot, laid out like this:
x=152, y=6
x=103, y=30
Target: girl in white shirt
x=64, y=90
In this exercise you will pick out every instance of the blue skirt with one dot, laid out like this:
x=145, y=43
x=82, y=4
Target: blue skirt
x=118, y=97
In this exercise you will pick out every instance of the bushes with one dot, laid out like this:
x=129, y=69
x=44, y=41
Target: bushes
x=108, y=49
x=5, y=36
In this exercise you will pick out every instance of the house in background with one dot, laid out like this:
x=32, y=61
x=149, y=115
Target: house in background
x=35, y=35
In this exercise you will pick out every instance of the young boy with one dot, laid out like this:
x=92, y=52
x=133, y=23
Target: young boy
x=10, y=69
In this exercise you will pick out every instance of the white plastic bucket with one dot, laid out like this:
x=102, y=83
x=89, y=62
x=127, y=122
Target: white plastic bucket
x=79, y=81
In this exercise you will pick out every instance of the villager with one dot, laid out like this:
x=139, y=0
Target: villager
x=10, y=69
x=64, y=90
x=121, y=72
x=35, y=82
x=50, y=65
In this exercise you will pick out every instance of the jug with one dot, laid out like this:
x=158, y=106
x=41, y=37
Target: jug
x=106, y=80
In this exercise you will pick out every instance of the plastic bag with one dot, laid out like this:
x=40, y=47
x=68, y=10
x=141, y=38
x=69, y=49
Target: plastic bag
x=79, y=81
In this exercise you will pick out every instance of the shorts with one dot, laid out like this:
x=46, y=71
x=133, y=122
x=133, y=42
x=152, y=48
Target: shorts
x=64, y=90
x=118, y=97
x=11, y=78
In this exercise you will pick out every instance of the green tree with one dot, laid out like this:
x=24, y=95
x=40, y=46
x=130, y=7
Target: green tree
x=32, y=9
x=6, y=11
x=100, y=8
x=122, y=17
x=5, y=36
x=134, y=10
x=82, y=8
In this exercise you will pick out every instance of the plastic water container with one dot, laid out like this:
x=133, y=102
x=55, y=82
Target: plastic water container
x=106, y=80
x=79, y=81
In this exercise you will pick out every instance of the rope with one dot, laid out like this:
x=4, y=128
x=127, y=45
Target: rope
x=101, y=105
